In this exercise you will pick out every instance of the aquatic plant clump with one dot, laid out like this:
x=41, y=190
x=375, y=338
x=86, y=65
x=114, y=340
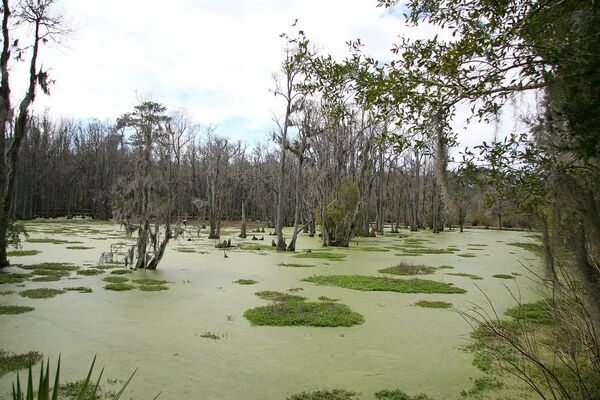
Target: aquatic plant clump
x=80, y=289
x=48, y=278
x=245, y=282
x=325, y=394
x=146, y=281
x=115, y=279
x=90, y=272
x=397, y=394
x=13, y=278
x=23, y=253
x=41, y=293
x=322, y=254
x=13, y=310
x=119, y=287
x=503, y=276
x=539, y=313
x=464, y=274
x=294, y=265
x=278, y=296
x=408, y=269
x=433, y=304
x=300, y=313
x=11, y=362
x=153, y=288
x=51, y=266
x=52, y=241
x=79, y=247
x=376, y=283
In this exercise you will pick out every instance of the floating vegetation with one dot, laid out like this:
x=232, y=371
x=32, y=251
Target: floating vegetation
x=144, y=281
x=405, y=268
x=13, y=278
x=322, y=254
x=185, y=250
x=51, y=266
x=52, y=241
x=23, y=253
x=90, y=272
x=245, y=282
x=278, y=296
x=294, y=265
x=417, y=251
x=295, y=313
x=79, y=247
x=212, y=335
x=80, y=289
x=532, y=247
x=115, y=279
x=464, y=274
x=324, y=298
x=12, y=310
x=397, y=394
x=6, y=292
x=445, y=267
x=433, y=304
x=539, y=313
x=467, y=255
x=11, y=362
x=41, y=293
x=120, y=271
x=119, y=287
x=376, y=283
x=481, y=386
x=153, y=288
x=295, y=289
x=503, y=276
x=476, y=245
x=325, y=394
x=47, y=278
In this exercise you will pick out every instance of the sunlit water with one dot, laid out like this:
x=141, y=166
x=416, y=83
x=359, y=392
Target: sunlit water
x=398, y=346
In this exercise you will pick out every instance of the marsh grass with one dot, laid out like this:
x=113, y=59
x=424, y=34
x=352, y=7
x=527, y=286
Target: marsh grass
x=115, y=279
x=433, y=304
x=41, y=293
x=404, y=268
x=300, y=313
x=90, y=272
x=503, y=276
x=23, y=253
x=445, y=267
x=397, y=394
x=535, y=248
x=467, y=255
x=79, y=247
x=324, y=298
x=80, y=289
x=53, y=241
x=13, y=310
x=245, y=282
x=376, y=283
x=325, y=394
x=539, y=313
x=418, y=251
x=47, y=278
x=6, y=292
x=465, y=275
x=11, y=362
x=294, y=265
x=49, y=266
x=322, y=254
x=13, y=278
x=119, y=287
x=120, y=271
x=146, y=281
x=153, y=288
x=272, y=295
x=185, y=250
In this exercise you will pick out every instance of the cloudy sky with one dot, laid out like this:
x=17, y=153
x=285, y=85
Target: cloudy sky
x=215, y=59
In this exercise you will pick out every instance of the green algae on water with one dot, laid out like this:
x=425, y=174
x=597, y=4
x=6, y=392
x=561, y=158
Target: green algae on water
x=397, y=394
x=41, y=293
x=376, y=283
x=80, y=289
x=144, y=281
x=79, y=247
x=300, y=313
x=51, y=266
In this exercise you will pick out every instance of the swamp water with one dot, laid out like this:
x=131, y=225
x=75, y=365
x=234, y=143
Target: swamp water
x=162, y=333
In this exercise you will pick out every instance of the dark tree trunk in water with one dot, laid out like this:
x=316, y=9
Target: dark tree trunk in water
x=243, y=227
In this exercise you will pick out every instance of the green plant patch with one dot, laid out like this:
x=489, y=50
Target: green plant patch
x=50, y=272
x=324, y=298
x=48, y=278
x=148, y=281
x=120, y=271
x=119, y=287
x=90, y=272
x=427, y=250
x=397, y=394
x=51, y=266
x=41, y=293
x=294, y=265
x=481, y=386
x=278, y=296
x=369, y=248
x=322, y=254
x=52, y=241
x=115, y=279
x=75, y=391
x=23, y=253
x=245, y=282
x=325, y=394
x=377, y=283
x=185, y=250
x=467, y=255
x=12, y=310
x=80, y=289
x=13, y=278
x=11, y=362
x=295, y=289
x=445, y=267
x=539, y=313
x=433, y=304
x=405, y=268
x=300, y=313
x=476, y=245
x=6, y=292
x=153, y=288
x=503, y=276
x=464, y=274
x=79, y=247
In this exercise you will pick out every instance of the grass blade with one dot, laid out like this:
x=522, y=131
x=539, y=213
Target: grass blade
x=56, y=379
x=118, y=396
x=87, y=382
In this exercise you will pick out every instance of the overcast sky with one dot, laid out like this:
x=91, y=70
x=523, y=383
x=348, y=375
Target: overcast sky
x=215, y=59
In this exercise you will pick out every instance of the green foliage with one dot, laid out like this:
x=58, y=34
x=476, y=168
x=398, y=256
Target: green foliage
x=51, y=266
x=47, y=278
x=535, y=248
x=503, y=276
x=41, y=293
x=120, y=272
x=294, y=265
x=433, y=304
x=153, y=288
x=12, y=310
x=278, y=296
x=80, y=289
x=52, y=241
x=13, y=278
x=376, y=283
x=23, y=253
x=325, y=394
x=324, y=298
x=321, y=254
x=14, y=231
x=115, y=279
x=397, y=394
x=339, y=215
x=119, y=287
x=90, y=272
x=286, y=313
x=142, y=281
x=79, y=247
x=464, y=274
x=535, y=313
x=245, y=281
x=405, y=268
x=11, y=362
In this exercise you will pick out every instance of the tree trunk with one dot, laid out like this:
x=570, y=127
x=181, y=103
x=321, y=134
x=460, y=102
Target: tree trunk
x=243, y=227
x=292, y=245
